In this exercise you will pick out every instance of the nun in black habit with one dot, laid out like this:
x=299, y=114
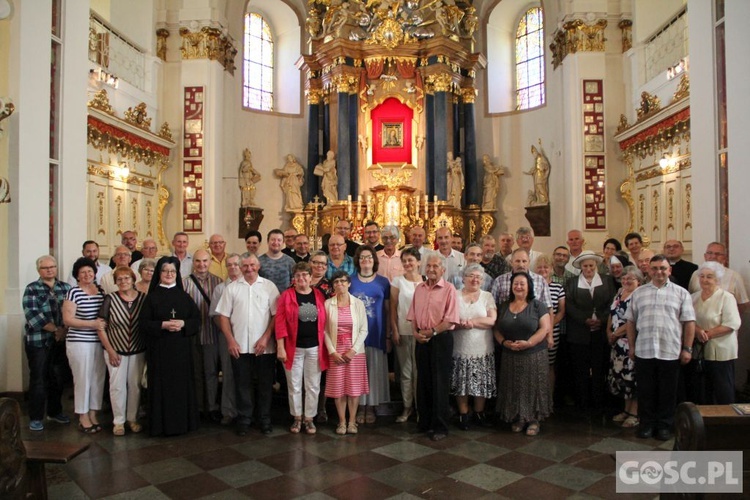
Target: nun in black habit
x=170, y=318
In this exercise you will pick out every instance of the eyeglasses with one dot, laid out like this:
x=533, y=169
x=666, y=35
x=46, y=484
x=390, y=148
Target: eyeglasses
x=122, y=254
x=365, y=257
x=715, y=253
x=336, y=244
x=47, y=268
x=147, y=270
x=168, y=271
x=218, y=243
x=318, y=263
x=388, y=237
x=341, y=281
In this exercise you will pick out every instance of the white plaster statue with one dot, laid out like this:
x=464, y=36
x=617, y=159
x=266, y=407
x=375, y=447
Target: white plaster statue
x=292, y=177
x=248, y=177
x=492, y=174
x=540, y=173
x=330, y=181
x=364, y=143
x=455, y=181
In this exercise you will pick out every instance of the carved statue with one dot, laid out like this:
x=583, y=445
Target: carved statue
x=540, y=173
x=455, y=181
x=330, y=181
x=247, y=179
x=364, y=143
x=492, y=174
x=292, y=177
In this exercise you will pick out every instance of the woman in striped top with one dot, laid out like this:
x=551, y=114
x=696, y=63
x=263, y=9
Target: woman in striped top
x=544, y=268
x=125, y=349
x=80, y=311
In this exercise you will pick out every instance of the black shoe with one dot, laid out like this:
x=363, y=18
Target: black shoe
x=663, y=435
x=645, y=432
x=437, y=436
x=481, y=419
x=242, y=429
x=463, y=422
x=266, y=429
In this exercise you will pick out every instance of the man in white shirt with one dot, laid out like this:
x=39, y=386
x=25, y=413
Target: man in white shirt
x=575, y=247
x=453, y=260
x=90, y=250
x=246, y=316
x=121, y=258
x=524, y=240
x=180, y=246
x=732, y=281
x=149, y=250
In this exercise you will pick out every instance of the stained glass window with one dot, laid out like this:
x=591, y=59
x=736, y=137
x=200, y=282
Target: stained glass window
x=257, y=92
x=530, y=59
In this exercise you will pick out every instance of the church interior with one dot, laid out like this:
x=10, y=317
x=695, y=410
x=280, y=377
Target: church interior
x=225, y=116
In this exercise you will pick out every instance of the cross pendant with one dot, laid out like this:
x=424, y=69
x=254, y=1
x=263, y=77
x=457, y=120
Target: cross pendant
x=173, y=312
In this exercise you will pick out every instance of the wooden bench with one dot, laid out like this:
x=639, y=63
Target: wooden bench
x=22, y=462
x=712, y=427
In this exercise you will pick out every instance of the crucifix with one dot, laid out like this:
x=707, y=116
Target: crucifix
x=173, y=312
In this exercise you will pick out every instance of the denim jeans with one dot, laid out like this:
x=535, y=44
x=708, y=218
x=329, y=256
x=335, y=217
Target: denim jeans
x=46, y=376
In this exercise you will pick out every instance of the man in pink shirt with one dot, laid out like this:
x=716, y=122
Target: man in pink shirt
x=390, y=257
x=434, y=313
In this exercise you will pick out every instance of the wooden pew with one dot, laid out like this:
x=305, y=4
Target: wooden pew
x=22, y=473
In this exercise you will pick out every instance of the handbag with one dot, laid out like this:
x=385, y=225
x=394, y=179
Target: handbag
x=698, y=357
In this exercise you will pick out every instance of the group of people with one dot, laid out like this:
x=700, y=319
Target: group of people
x=512, y=326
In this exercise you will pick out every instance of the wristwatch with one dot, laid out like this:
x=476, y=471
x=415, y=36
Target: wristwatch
x=687, y=349
x=434, y=332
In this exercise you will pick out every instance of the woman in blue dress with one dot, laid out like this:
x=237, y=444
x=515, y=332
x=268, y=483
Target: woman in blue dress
x=375, y=291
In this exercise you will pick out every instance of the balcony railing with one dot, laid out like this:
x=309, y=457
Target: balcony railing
x=116, y=54
x=667, y=46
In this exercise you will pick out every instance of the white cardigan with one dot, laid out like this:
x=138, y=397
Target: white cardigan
x=359, y=323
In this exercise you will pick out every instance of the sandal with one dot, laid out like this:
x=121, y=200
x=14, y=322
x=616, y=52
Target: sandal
x=532, y=429
x=341, y=429
x=351, y=429
x=361, y=415
x=118, y=430
x=310, y=427
x=371, y=416
x=621, y=417
x=135, y=427
x=296, y=426
x=517, y=426
x=404, y=417
x=87, y=430
x=631, y=421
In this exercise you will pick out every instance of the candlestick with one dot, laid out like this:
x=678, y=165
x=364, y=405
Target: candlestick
x=426, y=212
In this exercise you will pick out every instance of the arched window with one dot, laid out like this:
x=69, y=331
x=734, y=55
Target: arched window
x=530, y=59
x=257, y=70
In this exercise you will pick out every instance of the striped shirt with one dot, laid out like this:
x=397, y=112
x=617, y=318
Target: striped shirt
x=658, y=315
x=556, y=292
x=501, y=289
x=87, y=308
x=122, y=316
x=209, y=332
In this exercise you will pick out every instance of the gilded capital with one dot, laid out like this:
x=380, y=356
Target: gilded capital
x=101, y=102
x=468, y=95
x=209, y=43
x=314, y=96
x=439, y=82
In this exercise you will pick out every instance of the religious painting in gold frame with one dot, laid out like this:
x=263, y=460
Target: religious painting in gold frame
x=392, y=135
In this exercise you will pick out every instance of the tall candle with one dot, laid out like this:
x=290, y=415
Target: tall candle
x=435, y=204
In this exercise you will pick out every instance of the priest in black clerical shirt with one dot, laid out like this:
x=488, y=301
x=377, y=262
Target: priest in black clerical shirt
x=682, y=270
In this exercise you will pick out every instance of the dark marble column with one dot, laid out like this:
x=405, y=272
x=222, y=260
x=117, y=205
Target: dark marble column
x=470, y=150
x=313, y=150
x=430, y=143
x=353, y=145
x=343, y=145
x=440, y=144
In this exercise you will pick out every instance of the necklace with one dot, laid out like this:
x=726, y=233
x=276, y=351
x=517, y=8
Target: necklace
x=367, y=275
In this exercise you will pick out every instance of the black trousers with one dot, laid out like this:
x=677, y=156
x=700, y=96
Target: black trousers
x=719, y=378
x=47, y=366
x=657, y=391
x=253, y=384
x=590, y=370
x=434, y=361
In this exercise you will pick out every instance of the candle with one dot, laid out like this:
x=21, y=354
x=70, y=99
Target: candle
x=435, y=204
x=369, y=207
x=426, y=213
x=416, y=206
